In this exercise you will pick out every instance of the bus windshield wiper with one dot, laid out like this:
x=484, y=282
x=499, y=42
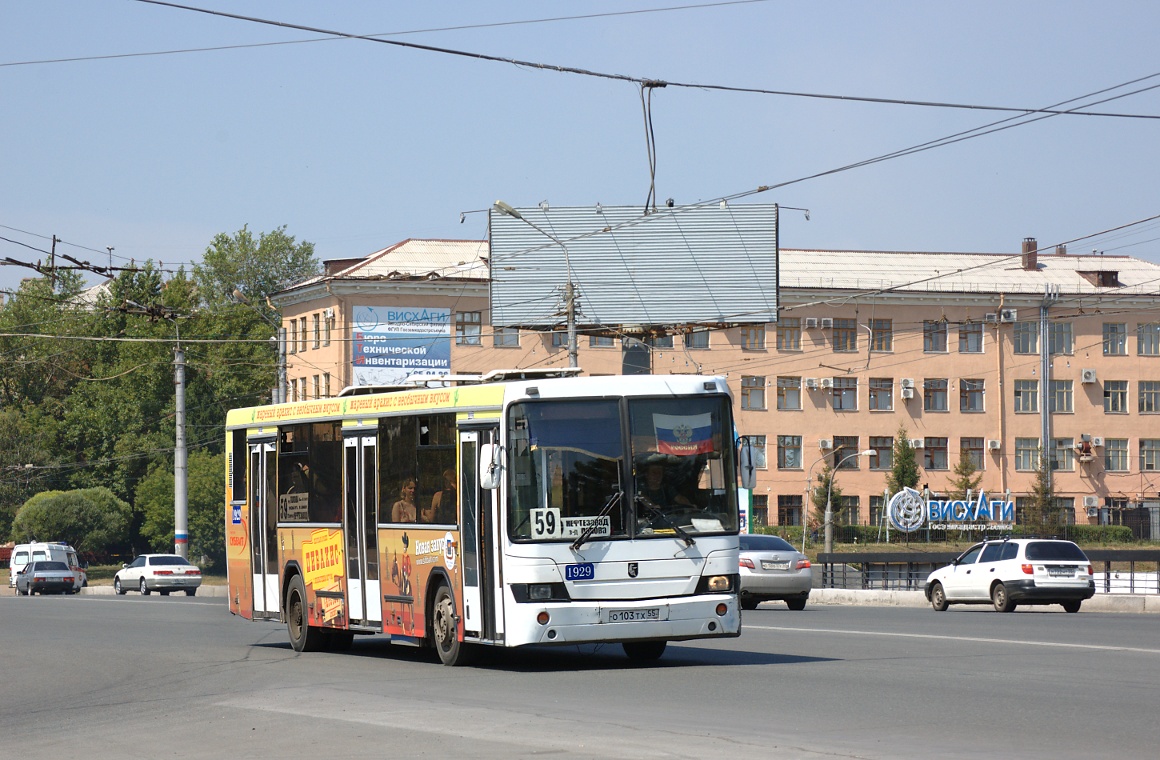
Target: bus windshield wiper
x=583, y=537
x=656, y=512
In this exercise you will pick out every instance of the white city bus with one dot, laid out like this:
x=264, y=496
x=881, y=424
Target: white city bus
x=511, y=509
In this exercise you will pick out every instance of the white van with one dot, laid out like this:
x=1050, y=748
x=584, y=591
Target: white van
x=58, y=551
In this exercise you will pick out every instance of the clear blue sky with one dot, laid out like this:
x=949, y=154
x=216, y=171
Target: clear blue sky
x=355, y=145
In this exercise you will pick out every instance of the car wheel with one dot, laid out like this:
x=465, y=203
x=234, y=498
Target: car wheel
x=190, y=591
x=445, y=630
x=1001, y=599
x=797, y=605
x=749, y=603
x=644, y=650
x=163, y=593
x=144, y=589
x=938, y=598
x=117, y=587
x=303, y=636
x=1072, y=605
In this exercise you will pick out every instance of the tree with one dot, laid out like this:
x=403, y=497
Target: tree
x=91, y=520
x=819, y=493
x=206, y=485
x=255, y=268
x=904, y=470
x=1040, y=506
x=966, y=481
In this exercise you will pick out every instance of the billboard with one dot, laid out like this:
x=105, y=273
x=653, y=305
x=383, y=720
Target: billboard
x=391, y=343
x=714, y=264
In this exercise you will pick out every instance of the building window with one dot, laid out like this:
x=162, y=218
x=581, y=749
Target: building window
x=846, y=393
x=752, y=392
x=1061, y=396
x=659, y=341
x=1149, y=454
x=291, y=337
x=505, y=337
x=467, y=328
x=934, y=394
x=789, y=393
x=316, y=324
x=847, y=510
x=971, y=338
x=1148, y=339
x=1026, y=396
x=326, y=384
x=971, y=395
x=1059, y=337
x=757, y=442
x=302, y=336
x=327, y=326
x=881, y=394
x=601, y=341
x=844, y=446
x=973, y=447
x=845, y=335
x=1149, y=396
x=1116, y=454
x=884, y=445
x=1063, y=454
x=878, y=510
x=753, y=337
x=559, y=339
x=1026, y=454
x=934, y=336
x=881, y=335
x=1115, y=397
x=1026, y=338
x=759, y=510
x=789, y=452
x=316, y=386
x=789, y=334
x=789, y=510
x=934, y=454
x=697, y=339
x=1115, y=339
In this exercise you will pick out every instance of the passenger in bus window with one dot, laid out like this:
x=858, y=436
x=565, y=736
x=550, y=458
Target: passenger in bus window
x=443, y=503
x=656, y=487
x=403, y=510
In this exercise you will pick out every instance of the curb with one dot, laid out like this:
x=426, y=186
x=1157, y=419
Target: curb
x=1133, y=603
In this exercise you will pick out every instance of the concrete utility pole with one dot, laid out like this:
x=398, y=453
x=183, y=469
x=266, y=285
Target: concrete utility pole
x=180, y=462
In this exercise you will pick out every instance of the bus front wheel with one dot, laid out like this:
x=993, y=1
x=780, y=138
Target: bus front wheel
x=303, y=636
x=445, y=629
x=644, y=650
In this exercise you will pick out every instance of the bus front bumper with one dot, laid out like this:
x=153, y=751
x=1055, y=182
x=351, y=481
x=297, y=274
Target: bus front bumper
x=580, y=622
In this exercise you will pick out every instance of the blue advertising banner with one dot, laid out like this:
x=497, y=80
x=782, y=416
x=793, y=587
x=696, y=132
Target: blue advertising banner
x=391, y=343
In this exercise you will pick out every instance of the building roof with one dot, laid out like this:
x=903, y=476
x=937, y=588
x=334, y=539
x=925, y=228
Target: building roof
x=913, y=272
x=418, y=259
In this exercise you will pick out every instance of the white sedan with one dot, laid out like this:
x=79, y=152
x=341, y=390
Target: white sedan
x=158, y=572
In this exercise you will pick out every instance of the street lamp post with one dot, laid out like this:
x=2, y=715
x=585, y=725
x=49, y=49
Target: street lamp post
x=809, y=496
x=829, y=547
x=569, y=286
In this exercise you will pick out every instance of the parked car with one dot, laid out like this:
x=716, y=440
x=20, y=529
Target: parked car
x=158, y=572
x=57, y=551
x=772, y=570
x=1012, y=572
x=45, y=577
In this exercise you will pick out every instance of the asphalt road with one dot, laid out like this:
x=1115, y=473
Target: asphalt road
x=152, y=677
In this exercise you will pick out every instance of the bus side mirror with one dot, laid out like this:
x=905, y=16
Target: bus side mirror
x=747, y=462
x=489, y=466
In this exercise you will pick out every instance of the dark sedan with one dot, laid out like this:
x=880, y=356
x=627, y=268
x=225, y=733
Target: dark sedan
x=45, y=577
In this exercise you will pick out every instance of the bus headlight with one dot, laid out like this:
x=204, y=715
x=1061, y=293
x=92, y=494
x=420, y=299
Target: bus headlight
x=716, y=584
x=539, y=591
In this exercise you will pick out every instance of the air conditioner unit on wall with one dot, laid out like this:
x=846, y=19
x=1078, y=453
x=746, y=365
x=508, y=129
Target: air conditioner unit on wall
x=827, y=323
x=812, y=383
x=906, y=393
x=827, y=382
x=1008, y=315
x=1093, y=512
x=991, y=317
x=906, y=382
x=1087, y=376
x=916, y=443
x=1097, y=441
x=1091, y=501
x=994, y=444
x=811, y=323
x=825, y=443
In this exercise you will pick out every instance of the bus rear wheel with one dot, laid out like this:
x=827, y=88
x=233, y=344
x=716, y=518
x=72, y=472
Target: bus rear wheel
x=445, y=630
x=644, y=650
x=303, y=636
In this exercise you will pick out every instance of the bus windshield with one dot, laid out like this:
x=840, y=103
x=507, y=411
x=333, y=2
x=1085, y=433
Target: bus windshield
x=573, y=474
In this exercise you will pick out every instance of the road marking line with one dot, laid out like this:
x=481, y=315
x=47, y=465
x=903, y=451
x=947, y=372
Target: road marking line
x=978, y=639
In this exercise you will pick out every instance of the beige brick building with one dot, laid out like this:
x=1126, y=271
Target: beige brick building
x=944, y=345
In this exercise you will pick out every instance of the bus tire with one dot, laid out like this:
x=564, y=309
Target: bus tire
x=445, y=629
x=642, y=651
x=338, y=640
x=303, y=636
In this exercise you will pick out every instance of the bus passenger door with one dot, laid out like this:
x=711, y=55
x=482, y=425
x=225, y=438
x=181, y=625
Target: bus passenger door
x=264, y=529
x=360, y=528
x=481, y=610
